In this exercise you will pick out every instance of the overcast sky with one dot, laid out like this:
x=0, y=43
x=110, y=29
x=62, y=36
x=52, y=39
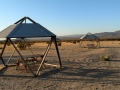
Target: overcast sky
x=64, y=17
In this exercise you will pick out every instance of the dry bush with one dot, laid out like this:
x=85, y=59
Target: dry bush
x=59, y=43
x=22, y=46
x=74, y=42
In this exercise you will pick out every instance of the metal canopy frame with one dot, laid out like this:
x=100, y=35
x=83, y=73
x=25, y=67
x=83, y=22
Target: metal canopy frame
x=86, y=37
x=24, y=19
x=53, y=39
x=15, y=50
x=97, y=41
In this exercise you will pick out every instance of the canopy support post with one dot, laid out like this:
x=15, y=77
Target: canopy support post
x=13, y=52
x=80, y=42
x=55, y=43
x=3, y=51
x=99, y=43
x=45, y=54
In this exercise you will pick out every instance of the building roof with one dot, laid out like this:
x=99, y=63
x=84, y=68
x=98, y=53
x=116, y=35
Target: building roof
x=25, y=30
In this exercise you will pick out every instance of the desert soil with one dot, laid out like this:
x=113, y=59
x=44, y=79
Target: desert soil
x=82, y=69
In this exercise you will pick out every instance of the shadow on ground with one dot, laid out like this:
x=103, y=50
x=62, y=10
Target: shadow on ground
x=84, y=75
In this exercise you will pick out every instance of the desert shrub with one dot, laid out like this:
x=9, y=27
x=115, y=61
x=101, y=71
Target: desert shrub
x=29, y=44
x=1, y=42
x=22, y=46
x=59, y=43
x=74, y=42
x=32, y=43
x=1, y=48
x=106, y=57
x=78, y=41
x=16, y=41
x=8, y=43
x=47, y=42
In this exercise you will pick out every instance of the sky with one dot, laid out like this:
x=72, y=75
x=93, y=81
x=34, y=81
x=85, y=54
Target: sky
x=64, y=17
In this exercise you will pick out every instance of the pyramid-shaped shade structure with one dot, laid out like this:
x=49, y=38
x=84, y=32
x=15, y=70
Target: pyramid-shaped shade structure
x=25, y=30
x=89, y=36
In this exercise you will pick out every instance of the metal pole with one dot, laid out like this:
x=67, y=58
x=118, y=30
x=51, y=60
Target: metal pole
x=13, y=52
x=97, y=46
x=3, y=51
x=31, y=20
x=55, y=43
x=80, y=42
x=47, y=47
x=45, y=54
x=99, y=43
x=25, y=19
x=21, y=20
x=22, y=57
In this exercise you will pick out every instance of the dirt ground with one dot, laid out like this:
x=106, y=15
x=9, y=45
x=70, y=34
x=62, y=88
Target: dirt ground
x=82, y=68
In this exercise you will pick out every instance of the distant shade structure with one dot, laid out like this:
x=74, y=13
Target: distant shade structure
x=89, y=41
x=89, y=36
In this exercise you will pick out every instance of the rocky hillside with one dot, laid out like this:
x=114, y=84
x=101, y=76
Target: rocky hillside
x=115, y=34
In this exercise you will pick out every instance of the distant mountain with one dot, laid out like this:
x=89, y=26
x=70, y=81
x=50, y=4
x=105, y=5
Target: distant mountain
x=106, y=35
x=115, y=34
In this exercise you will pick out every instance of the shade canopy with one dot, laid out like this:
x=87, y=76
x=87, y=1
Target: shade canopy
x=28, y=30
x=25, y=30
x=89, y=36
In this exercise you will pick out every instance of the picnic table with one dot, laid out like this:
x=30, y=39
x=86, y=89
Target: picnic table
x=90, y=46
x=29, y=58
